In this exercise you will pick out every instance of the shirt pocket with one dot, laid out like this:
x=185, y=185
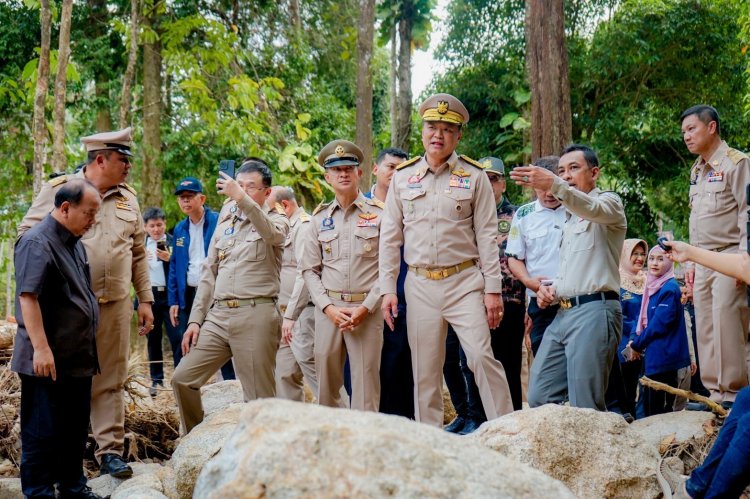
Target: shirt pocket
x=413, y=202
x=125, y=223
x=254, y=248
x=456, y=204
x=287, y=257
x=329, y=245
x=366, y=242
x=538, y=233
x=718, y=195
x=583, y=236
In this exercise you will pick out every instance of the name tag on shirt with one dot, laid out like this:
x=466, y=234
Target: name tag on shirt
x=715, y=176
x=460, y=182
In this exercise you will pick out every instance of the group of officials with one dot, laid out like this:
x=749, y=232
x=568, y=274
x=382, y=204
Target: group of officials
x=290, y=296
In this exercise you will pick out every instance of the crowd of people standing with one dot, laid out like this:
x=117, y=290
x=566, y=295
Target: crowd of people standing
x=278, y=297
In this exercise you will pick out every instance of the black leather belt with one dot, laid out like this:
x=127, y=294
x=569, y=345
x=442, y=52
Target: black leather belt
x=574, y=301
x=158, y=289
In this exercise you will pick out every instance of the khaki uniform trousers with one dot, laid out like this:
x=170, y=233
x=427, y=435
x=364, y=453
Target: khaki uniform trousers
x=363, y=346
x=107, y=395
x=721, y=316
x=297, y=361
x=457, y=300
x=251, y=335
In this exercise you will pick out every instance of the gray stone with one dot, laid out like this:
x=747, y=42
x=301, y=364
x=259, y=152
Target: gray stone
x=10, y=488
x=594, y=453
x=684, y=425
x=106, y=485
x=200, y=445
x=217, y=396
x=289, y=449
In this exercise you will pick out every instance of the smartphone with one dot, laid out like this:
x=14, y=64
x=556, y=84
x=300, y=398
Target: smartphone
x=661, y=244
x=627, y=353
x=226, y=166
x=161, y=245
x=547, y=282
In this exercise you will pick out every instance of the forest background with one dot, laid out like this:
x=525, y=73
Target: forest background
x=204, y=80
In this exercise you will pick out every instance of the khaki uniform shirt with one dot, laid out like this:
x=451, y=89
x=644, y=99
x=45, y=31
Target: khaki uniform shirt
x=341, y=251
x=289, y=259
x=442, y=218
x=115, y=244
x=718, y=208
x=591, y=241
x=244, y=260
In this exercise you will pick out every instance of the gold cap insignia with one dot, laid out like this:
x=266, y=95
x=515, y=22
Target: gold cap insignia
x=442, y=107
x=339, y=151
x=487, y=164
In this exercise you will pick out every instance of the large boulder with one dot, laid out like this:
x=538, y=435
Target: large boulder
x=289, y=449
x=217, y=396
x=106, y=485
x=10, y=488
x=594, y=453
x=145, y=486
x=675, y=427
x=200, y=445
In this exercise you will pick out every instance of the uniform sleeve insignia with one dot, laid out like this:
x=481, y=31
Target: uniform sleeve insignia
x=128, y=187
x=503, y=226
x=304, y=217
x=514, y=232
x=320, y=208
x=735, y=156
x=408, y=162
x=376, y=202
x=471, y=161
x=58, y=180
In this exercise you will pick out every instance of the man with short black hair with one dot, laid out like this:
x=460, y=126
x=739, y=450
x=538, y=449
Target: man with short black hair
x=55, y=347
x=235, y=313
x=577, y=350
x=718, y=222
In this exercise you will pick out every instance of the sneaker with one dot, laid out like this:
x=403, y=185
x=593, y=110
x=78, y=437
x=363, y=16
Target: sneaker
x=113, y=465
x=470, y=427
x=697, y=406
x=456, y=425
x=669, y=474
x=154, y=390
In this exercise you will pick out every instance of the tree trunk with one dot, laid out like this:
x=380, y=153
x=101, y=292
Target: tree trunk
x=547, y=65
x=127, y=79
x=40, y=98
x=403, y=128
x=151, y=174
x=59, y=159
x=393, y=74
x=294, y=14
x=9, y=294
x=365, y=33
x=97, y=24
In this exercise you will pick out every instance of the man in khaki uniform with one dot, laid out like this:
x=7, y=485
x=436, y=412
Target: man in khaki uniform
x=578, y=348
x=234, y=313
x=295, y=358
x=117, y=257
x=718, y=222
x=442, y=210
x=340, y=267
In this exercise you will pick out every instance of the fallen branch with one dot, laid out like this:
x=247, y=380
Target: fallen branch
x=655, y=385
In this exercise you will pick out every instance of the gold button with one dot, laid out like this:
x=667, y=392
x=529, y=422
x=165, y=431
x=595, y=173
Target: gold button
x=327, y=249
x=368, y=247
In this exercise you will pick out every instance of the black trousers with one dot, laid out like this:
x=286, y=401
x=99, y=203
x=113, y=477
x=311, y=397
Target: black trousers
x=506, y=342
x=227, y=370
x=541, y=318
x=396, y=378
x=54, y=427
x=161, y=320
x=657, y=401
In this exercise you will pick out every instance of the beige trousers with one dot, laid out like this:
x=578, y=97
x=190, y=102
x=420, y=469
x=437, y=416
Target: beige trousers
x=296, y=362
x=721, y=316
x=107, y=402
x=458, y=301
x=363, y=345
x=251, y=335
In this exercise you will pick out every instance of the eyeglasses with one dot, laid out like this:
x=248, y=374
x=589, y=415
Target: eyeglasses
x=639, y=255
x=496, y=178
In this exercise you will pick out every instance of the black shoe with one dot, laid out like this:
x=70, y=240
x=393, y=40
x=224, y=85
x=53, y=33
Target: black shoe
x=456, y=425
x=697, y=406
x=113, y=465
x=84, y=493
x=153, y=390
x=470, y=426
x=628, y=417
x=727, y=404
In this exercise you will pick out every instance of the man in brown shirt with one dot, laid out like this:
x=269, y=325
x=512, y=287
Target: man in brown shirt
x=117, y=257
x=234, y=313
x=340, y=267
x=718, y=222
x=442, y=210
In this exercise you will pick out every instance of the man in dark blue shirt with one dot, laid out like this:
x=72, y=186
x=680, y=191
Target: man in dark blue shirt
x=55, y=350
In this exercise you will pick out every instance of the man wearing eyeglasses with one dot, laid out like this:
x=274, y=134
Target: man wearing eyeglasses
x=117, y=257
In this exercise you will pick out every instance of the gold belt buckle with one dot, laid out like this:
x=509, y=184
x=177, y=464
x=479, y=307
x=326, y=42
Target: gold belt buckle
x=233, y=303
x=346, y=297
x=435, y=274
x=565, y=303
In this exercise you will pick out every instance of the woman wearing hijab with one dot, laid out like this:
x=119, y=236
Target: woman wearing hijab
x=660, y=332
x=632, y=282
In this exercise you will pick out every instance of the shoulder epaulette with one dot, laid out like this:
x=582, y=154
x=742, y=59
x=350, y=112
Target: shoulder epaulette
x=408, y=162
x=129, y=188
x=226, y=201
x=58, y=180
x=375, y=202
x=525, y=210
x=304, y=217
x=320, y=207
x=471, y=161
x=279, y=209
x=735, y=156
